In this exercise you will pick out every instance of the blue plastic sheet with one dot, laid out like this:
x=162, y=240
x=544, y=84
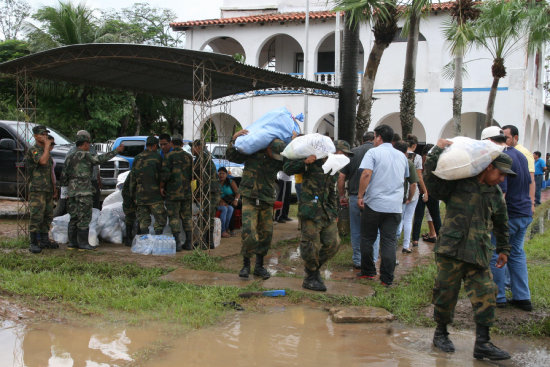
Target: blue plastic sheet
x=276, y=124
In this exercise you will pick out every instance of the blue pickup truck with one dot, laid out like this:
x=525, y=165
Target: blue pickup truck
x=133, y=145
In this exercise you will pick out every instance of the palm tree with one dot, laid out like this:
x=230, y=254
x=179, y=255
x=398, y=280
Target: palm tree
x=459, y=34
x=412, y=29
x=506, y=26
x=384, y=14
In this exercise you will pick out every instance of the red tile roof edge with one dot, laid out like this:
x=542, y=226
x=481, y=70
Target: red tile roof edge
x=278, y=17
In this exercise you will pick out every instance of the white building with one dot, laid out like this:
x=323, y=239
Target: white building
x=271, y=34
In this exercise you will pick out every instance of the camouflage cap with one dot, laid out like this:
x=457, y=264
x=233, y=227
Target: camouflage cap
x=151, y=140
x=343, y=146
x=40, y=129
x=177, y=138
x=85, y=133
x=504, y=164
x=277, y=146
x=82, y=138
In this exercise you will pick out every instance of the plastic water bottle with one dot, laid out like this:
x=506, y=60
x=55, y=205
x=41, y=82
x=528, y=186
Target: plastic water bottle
x=315, y=200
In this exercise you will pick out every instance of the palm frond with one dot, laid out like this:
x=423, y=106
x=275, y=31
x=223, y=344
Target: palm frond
x=448, y=71
x=362, y=11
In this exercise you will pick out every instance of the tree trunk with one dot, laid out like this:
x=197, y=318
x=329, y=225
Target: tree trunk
x=137, y=116
x=491, y=102
x=364, y=112
x=347, y=108
x=457, y=95
x=408, y=103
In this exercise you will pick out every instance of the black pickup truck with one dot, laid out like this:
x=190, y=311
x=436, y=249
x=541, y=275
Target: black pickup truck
x=11, y=157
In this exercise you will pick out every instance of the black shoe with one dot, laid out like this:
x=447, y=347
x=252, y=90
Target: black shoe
x=178, y=241
x=33, y=245
x=281, y=220
x=406, y=251
x=441, y=339
x=415, y=243
x=288, y=219
x=46, y=243
x=259, y=269
x=188, y=244
x=524, y=304
x=82, y=236
x=502, y=304
x=483, y=348
x=314, y=281
x=245, y=271
x=357, y=267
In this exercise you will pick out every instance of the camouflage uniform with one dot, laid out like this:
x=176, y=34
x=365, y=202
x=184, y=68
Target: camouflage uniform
x=214, y=183
x=317, y=211
x=257, y=189
x=146, y=171
x=40, y=190
x=129, y=201
x=464, y=248
x=176, y=174
x=76, y=176
x=93, y=177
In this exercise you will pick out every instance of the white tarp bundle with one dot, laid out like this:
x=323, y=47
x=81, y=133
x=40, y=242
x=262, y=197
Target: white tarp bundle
x=311, y=144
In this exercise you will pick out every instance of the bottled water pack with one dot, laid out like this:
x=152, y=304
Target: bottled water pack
x=154, y=244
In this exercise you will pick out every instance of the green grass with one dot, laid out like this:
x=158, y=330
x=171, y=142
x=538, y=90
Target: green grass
x=11, y=243
x=102, y=288
x=201, y=260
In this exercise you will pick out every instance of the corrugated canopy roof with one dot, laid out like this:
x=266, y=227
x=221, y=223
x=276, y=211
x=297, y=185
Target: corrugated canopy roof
x=152, y=69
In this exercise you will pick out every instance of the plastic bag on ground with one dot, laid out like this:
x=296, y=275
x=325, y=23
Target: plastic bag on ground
x=465, y=158
x=60, y=228
x=113, y=198
x=93, y=234
x=276, y=124
x=111, y=226
x=334, y=163
x=311, y=144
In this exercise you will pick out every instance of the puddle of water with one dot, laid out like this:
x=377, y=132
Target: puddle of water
x=48, y=344
x=294, y=336
x=300, y=336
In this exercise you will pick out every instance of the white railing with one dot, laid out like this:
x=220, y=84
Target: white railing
x=328, y=78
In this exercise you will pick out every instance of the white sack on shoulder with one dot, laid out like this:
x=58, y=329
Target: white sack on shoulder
x=465, y=158
x=334, y=163
x=311, y=144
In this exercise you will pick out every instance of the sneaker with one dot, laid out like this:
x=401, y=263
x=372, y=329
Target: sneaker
x=524, y=304
x=357, y=267
x=406, y=251
x=385, y=284
x=502, y=304
x=364, y=276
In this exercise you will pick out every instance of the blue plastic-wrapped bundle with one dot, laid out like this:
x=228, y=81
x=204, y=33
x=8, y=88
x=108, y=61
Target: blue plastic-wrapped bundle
x=276, y=124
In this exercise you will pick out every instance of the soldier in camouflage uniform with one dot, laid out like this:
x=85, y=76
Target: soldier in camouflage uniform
x=475, y=207
x=38, y=163
x=146, y=171
x=76, y=176
x=129, y=207
x=204, y=159
x=257, y=189
x=318, y=212
x=175, y=186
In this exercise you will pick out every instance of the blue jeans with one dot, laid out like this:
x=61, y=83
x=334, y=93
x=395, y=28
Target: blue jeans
x=517, y=263
x=538, y=188
x=225, y=216
x=355, y=230
x=406, y=223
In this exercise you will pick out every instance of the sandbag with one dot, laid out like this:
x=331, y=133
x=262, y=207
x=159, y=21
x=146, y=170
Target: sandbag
x=60, y=228
x=276, y=124
x=121, y=179
x=465, y=158
x=93, y=233
x=113, y=198
x=334, y=163
x=111, y=226
x=311, y=144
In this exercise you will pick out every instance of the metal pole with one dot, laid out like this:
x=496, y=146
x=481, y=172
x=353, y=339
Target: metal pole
x=306, y=69
x=336, y=70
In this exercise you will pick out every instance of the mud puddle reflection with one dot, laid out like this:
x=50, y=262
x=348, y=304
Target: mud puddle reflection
x=286, y=336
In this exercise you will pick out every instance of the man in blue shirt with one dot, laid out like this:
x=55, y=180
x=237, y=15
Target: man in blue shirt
x=518, y=204
x=165, y=144
x=540, y=166
x=380, y=196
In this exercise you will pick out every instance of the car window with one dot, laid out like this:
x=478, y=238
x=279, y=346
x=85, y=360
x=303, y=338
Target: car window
x=60, y=139
x=219, y=152
x=4, y=134
x=133, y=147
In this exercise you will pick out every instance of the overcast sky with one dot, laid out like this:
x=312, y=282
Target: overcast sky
x=185, y=9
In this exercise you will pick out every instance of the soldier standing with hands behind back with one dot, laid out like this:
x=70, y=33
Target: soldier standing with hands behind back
x=76, y=175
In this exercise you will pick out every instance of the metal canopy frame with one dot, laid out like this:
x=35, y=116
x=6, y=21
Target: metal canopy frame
x=206, y=79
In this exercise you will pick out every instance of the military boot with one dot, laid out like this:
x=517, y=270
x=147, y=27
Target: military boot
x=441, y=339
x=188, y=245
x=34, y=247
x=483, y=348
x=245, y=271
x=73, y=240
x=46, y=243
x=128, y=239
x=82, y=237
x=313, y=281
x=259, y=269
x=178, y=241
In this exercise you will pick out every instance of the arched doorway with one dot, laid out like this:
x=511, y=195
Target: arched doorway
x=281, y=53
x=325, y=60
x=225, y=45
x=325, y=125
x=472, y=124
x=527, y=138
x=394, y=122
x=221, y=128
x=535, y=137
x=542, y=142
